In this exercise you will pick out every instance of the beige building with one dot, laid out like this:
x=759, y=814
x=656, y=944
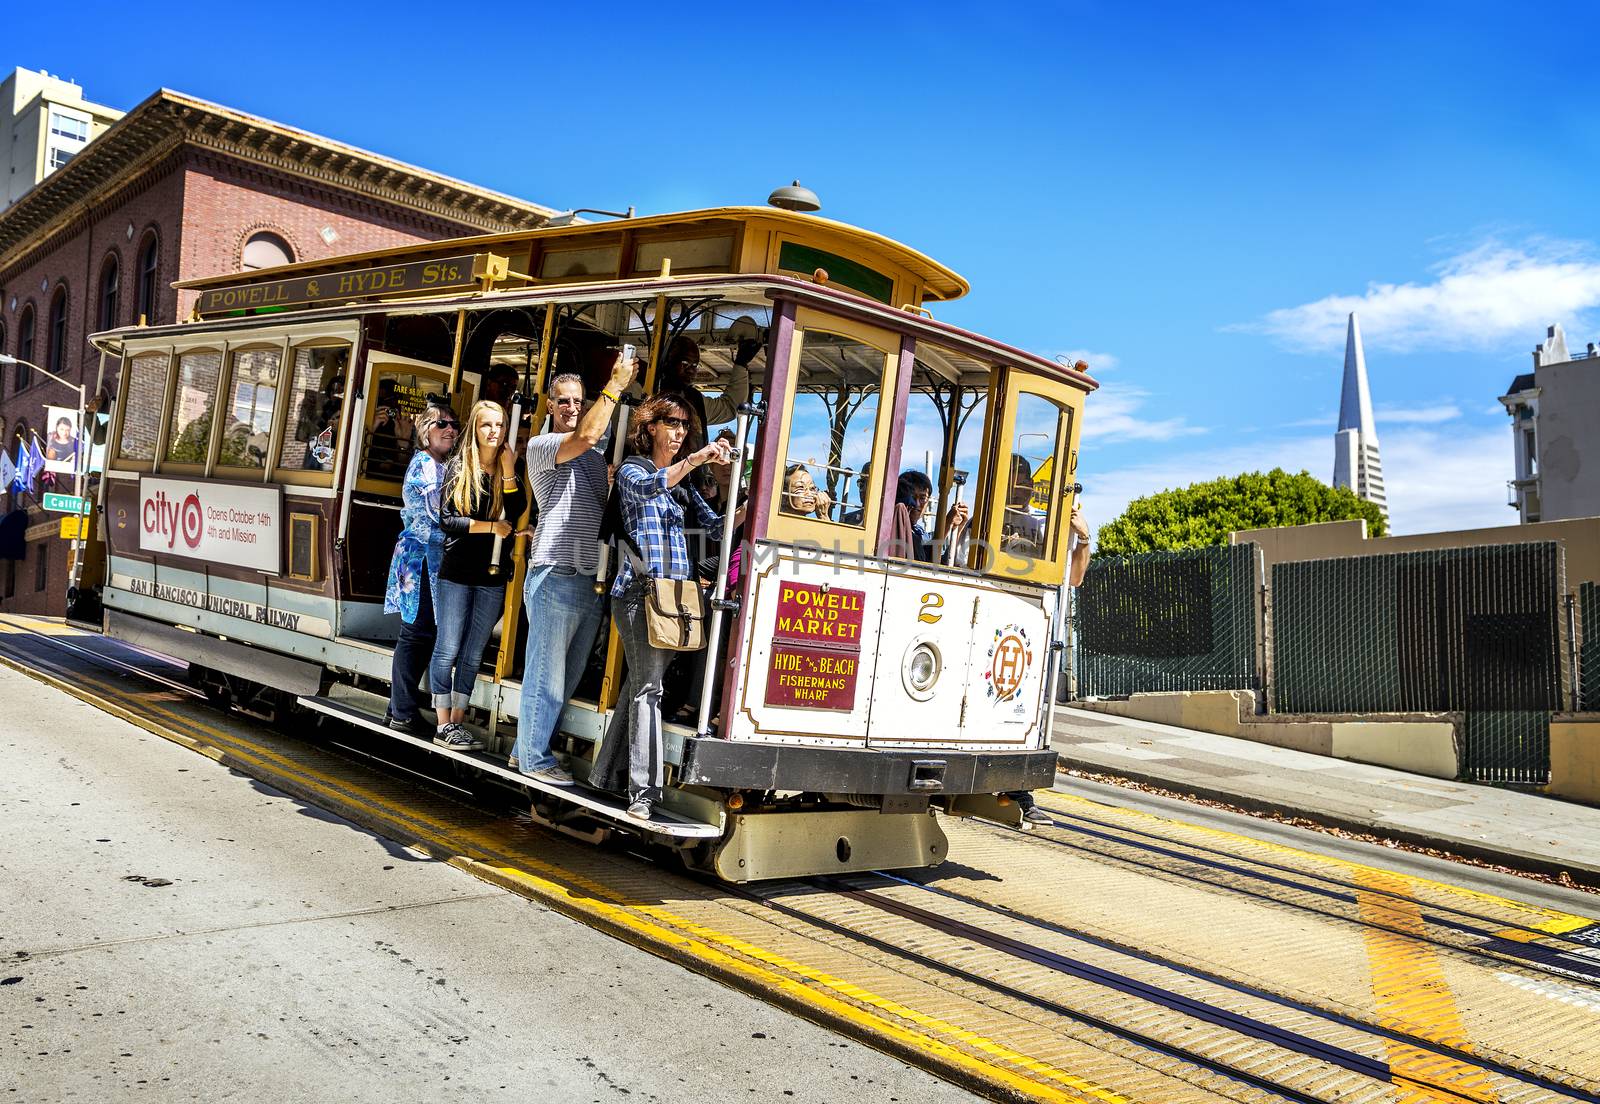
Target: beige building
x=44, y=122
x=1555, y=410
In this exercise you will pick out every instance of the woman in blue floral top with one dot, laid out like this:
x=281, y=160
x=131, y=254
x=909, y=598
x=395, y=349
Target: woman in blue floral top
x=414, y=570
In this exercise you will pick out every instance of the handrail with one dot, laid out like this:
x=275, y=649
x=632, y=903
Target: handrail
x=719, y=592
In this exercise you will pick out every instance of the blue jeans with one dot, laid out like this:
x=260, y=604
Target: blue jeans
x=563, y=614
x=633, y=742
x=413, y=651
x=466, y=615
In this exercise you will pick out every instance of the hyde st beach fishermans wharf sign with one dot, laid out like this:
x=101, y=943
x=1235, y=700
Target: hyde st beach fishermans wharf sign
x=816, y=647
x=439, y=275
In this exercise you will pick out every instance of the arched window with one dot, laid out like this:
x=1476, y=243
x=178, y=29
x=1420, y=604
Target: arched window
x=110, y=293
x=24, y=347
x=56, y=353
x=265, y=250
x=149, y=261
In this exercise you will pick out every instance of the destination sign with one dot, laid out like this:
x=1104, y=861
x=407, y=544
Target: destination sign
x=812, y=678
x=443, y=274
x=816, y=649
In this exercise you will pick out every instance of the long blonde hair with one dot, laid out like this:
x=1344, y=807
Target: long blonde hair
x=470, y=463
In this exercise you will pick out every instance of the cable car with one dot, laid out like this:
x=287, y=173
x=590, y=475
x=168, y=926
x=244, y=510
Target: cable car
x=871, y=667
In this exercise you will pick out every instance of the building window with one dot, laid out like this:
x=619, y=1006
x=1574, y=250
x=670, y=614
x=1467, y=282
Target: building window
x=149, y=261
x=265, y=250
x=68, y=135
x=110, y=291
x=24, y=348
x=56, y=353
x=41, y=564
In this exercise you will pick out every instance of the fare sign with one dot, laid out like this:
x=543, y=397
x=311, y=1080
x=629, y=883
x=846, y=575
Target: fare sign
x=232, y=524
x=816, y=649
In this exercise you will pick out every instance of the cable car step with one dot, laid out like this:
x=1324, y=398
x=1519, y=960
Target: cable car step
x=609, y=807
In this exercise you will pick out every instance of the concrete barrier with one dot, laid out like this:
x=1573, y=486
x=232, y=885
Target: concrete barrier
x=1575, y=757
x=1418, y=743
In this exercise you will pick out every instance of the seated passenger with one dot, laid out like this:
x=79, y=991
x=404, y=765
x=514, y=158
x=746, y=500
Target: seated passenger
x=801, y=495
x=680, y=375
x=911, y=497
x=1021, y=530
x=480, y=491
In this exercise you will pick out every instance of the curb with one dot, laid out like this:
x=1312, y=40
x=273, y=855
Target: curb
x=1584, y=875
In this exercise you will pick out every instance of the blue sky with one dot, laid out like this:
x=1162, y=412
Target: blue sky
x=1191, y=197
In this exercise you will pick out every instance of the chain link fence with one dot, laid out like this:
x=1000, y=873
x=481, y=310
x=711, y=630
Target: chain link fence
x=1588, y=689
x=1475, y=630
x=1168, y=621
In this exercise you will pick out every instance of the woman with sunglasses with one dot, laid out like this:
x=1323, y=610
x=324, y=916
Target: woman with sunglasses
x=414, y=569
x=649, y=484
x=480, y=488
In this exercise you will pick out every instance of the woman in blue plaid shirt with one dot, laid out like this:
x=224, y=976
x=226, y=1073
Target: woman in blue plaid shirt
x=654, y=489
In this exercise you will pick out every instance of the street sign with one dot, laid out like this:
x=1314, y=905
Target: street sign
x=62, y=503
x=74, y=528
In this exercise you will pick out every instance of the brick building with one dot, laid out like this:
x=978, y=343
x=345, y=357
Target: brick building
x=180, y=188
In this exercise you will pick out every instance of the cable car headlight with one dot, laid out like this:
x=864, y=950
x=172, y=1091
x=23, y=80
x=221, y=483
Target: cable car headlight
x=921, y=669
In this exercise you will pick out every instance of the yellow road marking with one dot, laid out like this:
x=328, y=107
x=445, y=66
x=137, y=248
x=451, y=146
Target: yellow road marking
x=619, y=910
x=1554, y=921
x=1413, y=997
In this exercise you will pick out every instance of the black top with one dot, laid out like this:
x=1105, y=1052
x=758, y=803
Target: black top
x=466, y=555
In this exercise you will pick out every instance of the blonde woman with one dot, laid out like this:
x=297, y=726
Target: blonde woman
x=479, y=483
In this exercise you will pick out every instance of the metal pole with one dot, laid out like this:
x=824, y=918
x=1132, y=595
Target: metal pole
x=719, y=591
x=619, y=435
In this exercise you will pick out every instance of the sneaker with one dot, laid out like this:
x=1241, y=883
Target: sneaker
x=457, y=738
x=1035, y=815
x=640, y=809
x=513, y=762
x=555, y=776
x=411, y=726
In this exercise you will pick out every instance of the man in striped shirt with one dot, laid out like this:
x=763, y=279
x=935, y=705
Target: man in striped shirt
x=570, y=483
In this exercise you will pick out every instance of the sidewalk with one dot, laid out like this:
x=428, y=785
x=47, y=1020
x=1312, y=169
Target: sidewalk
x=1522, y=830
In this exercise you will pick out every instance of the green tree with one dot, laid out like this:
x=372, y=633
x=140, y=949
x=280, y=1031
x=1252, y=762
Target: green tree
x=1205, y=513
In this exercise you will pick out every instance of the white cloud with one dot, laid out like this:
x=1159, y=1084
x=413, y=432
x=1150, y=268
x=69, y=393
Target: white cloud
x=1432, y=414
x=1437, y=480
x=1112, y=414
x=1487, y=298
x=1097, y=362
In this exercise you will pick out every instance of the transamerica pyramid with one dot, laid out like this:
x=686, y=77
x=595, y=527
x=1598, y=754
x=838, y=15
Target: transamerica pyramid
x=1356, y=463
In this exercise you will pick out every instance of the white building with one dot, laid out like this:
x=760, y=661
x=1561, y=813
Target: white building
x=44, y=122
x=1356, y=463
x=1555, y=433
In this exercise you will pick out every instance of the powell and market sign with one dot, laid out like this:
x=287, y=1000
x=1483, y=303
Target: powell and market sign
x=443, y=274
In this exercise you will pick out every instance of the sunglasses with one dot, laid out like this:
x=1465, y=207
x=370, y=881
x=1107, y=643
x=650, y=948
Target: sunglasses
x=443, y=423
x=673, y=423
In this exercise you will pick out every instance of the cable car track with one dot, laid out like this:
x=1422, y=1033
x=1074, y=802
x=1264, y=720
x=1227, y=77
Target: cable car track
x=1139, y=1014
x=1495, y=945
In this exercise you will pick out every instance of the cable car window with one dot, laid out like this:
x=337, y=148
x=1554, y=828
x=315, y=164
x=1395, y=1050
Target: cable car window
x=146, y=384
x=316, y=400
x=252, y=396
x=827, y=465
x=398, y=397
x=193, y=398
x=1030, y=477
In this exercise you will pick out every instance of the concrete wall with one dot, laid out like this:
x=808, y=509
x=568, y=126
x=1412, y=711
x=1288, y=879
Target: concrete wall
x=1569, y=448
x=1580, y=537
x=1423, y=744
x=1575, y=757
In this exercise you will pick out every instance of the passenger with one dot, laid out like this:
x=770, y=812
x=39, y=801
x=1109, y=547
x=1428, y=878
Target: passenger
x=911, y=497
x=680, y=375
x=1021, y=530
x=480, y=481
x=414, y=569
x=801, y=495
x=570, y=480
x=654, y=522
x=1077, y=567
x=857, y=514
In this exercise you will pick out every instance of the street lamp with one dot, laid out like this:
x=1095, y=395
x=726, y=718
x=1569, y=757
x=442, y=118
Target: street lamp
x=80, y=461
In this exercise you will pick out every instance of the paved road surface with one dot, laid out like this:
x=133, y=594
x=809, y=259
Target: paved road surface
x=295, y=957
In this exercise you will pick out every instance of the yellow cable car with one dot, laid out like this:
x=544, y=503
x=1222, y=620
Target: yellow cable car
x=874, y=662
